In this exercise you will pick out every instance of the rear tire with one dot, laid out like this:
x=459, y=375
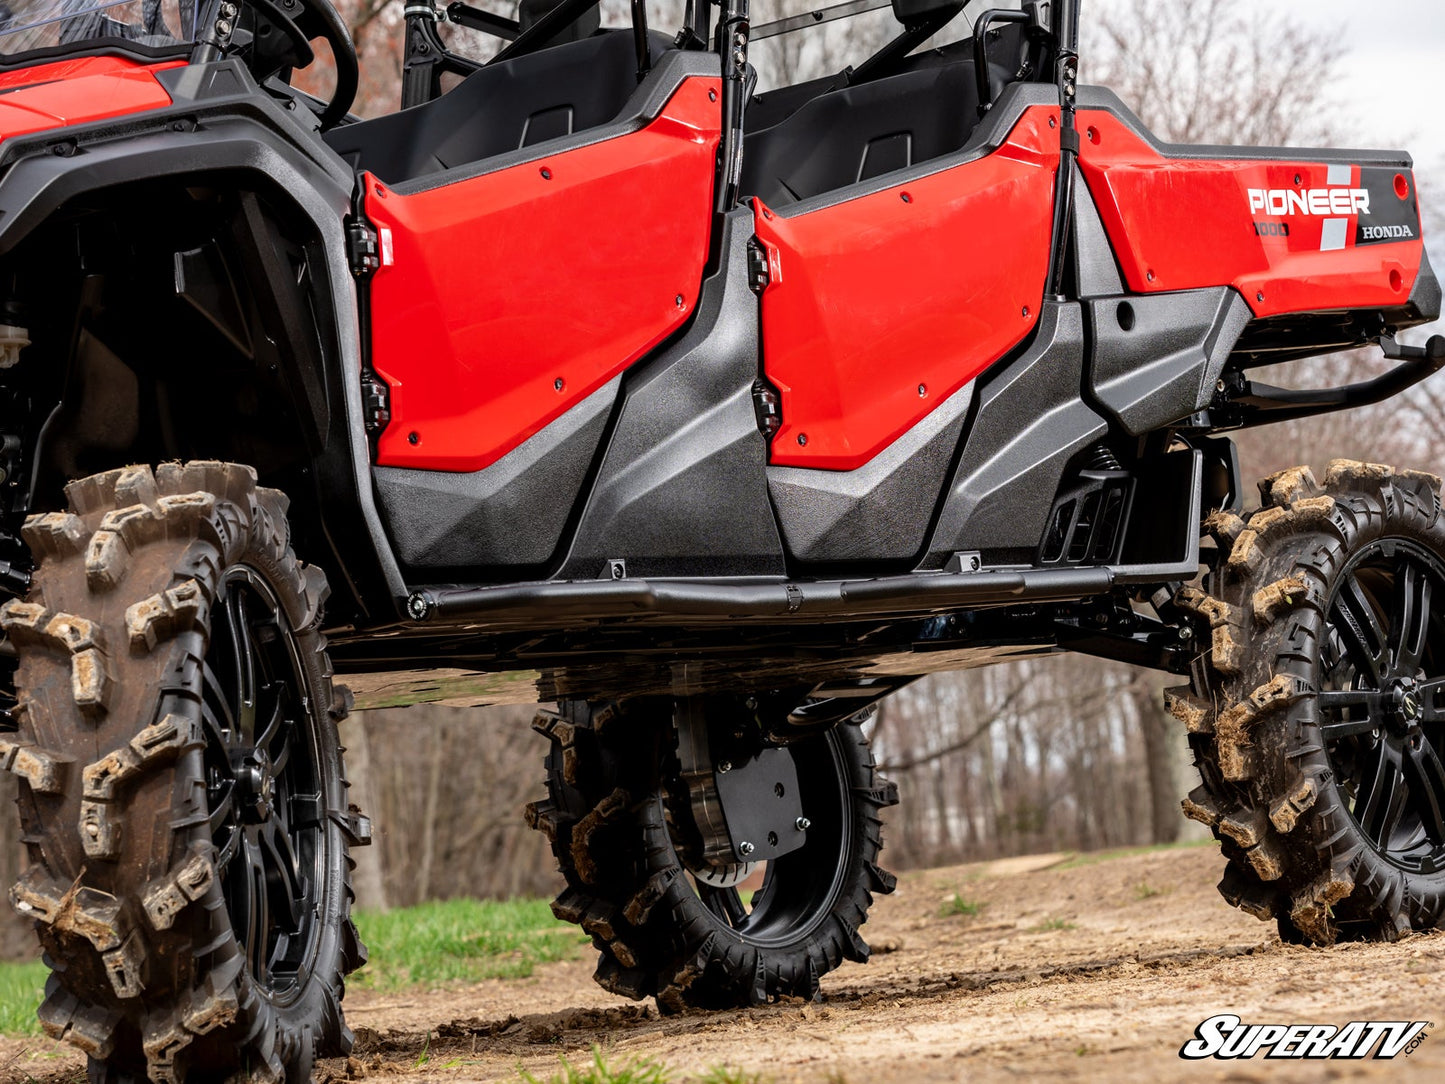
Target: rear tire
x=1317, y=715
x=182, y=792
x=612, y=814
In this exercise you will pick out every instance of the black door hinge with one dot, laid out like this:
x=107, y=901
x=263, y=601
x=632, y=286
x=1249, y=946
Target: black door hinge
x=375, y=403
x=758, y=274
x=362, y=250
x=769, y=408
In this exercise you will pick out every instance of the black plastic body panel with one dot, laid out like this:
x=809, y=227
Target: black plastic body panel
x=220, y=122
x=1425, y=295
x=1162, y=542
x=512, y=512
x=1157, y=356
x=1096, y=270
x=682, y=489
x=882, y=510
x=1031, y=421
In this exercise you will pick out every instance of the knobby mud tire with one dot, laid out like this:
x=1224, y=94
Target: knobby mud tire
x=607, y=821
x=1295, y=851
x=148, y=976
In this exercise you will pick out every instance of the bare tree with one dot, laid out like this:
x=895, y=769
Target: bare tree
x=445, y=788
x=1201, y=71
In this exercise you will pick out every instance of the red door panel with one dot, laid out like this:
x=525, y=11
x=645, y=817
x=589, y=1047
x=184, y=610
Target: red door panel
x=1289, y=236
x=78, y=91
x=883, y=306
x=505, y=299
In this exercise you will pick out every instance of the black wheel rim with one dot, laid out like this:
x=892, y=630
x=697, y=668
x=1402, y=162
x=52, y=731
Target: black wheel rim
x=799, y=889
x=264, y=783
x=1382, y=699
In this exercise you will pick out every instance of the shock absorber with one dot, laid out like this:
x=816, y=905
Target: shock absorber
x=1100, y=457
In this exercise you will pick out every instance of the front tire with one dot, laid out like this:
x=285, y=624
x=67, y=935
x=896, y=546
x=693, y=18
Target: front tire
x=1317, y=715
x=183, y=797
x=615, y=816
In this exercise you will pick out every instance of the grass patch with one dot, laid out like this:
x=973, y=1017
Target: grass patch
x=21, y=988
x=633, y=1071
x=960, y=905
x=726, y=1074
x=1145, y=891
x=448, y=941
x=462, y=941
x=1053, y=924
x=1091, y=858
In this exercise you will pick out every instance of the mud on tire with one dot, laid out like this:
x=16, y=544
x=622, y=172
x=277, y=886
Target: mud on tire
x=1316, y=712
x=607, y=817
x=132, y=755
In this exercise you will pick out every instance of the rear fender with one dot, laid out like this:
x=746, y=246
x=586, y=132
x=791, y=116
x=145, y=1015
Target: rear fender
x=1294, y=231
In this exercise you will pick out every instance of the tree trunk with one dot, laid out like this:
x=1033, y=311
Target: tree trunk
x=1155, y=728
x=17, y=935
x=366, y=879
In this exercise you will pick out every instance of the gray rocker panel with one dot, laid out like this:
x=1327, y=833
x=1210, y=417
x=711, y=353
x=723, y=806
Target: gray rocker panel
x=512, y=512
x=882, y=510
x=1030, y=423
x=1157, y=356
x=682, y=489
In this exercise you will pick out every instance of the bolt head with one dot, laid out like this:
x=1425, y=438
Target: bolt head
x=724, y=767
x=745, y=848
x=803, y=824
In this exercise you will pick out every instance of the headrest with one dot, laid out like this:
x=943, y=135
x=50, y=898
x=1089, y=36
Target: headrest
x=909, y=12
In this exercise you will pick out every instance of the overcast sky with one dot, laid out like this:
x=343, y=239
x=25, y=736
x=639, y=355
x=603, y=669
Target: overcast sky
x=1391, y=74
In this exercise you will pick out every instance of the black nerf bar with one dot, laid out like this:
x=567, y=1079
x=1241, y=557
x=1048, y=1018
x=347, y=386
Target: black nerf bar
x=699, y=601
x=1267, y=404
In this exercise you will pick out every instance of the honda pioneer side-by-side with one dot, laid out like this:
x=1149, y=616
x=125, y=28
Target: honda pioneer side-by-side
x=595, y=377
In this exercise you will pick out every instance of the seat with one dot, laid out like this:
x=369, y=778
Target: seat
x=549, y=94
x=855, y=133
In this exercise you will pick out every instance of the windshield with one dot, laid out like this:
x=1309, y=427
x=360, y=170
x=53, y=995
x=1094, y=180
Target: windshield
x=28, y=25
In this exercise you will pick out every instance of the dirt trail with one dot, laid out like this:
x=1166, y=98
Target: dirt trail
x=1096, y=972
